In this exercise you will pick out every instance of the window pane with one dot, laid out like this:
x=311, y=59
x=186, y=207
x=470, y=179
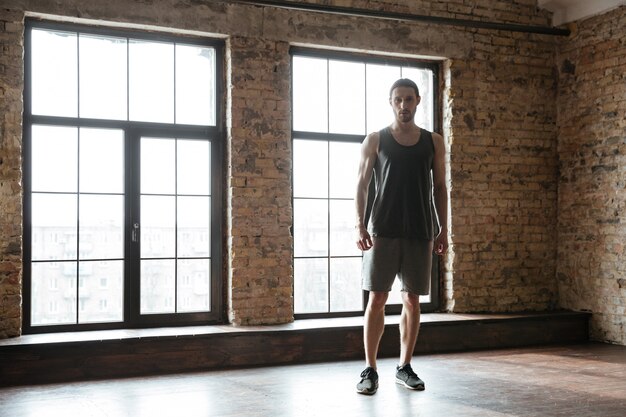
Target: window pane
x=194, y=167
x=194, y=214
x=346, y=97
x=101, y=291
x=345, y=284
x=151, y=81
x=310, y=94
x=379, y=79
x=54, y=158
x=194, y=285
x=158, y=166
x=53, y=293
x=103, y=77
x=344, y=166
x=54, y=73
x=101, y=226
x=54, y=220
x=158, y=225
x=195, y=85
x=424, y=80
x=310, y=219
x=310, y=168
x=310, y=285
x=157, y=286
x=101, y=160
x=342, y=233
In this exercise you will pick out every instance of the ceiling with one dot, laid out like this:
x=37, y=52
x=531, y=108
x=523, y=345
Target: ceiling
x=566, y=11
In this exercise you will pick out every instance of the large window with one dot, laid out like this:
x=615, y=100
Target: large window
x=122, y=174
x=337, y=100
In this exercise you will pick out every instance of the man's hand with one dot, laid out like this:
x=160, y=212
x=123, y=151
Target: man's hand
x=440, y=246
x=364, y=240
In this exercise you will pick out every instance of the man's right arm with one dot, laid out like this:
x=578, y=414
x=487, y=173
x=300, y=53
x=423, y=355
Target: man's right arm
x=369, y=153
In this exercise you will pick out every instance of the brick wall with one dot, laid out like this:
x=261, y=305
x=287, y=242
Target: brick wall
x=11, y=82
x=500, y=128
x=260, y=277
x=504, y=170
x=592, y=183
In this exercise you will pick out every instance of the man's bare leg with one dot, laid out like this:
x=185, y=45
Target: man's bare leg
x=374, y=325
x=409, y=326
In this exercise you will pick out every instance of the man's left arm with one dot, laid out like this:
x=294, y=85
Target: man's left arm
x=441, y=193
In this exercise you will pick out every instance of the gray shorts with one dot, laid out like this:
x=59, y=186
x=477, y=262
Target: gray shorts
x=408, y=259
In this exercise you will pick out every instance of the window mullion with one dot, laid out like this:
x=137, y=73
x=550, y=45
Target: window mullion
x=127, y=78
x=78, y=224
x=329, y=224
x=175, y=225
x=328, y=286
x=77, y=180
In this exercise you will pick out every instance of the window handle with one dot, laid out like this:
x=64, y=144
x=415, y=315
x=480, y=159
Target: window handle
x=134, y=234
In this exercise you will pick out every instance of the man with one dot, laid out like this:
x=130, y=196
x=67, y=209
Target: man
x=402, y=227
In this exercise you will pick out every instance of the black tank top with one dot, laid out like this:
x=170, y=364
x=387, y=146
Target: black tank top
x=403, y=203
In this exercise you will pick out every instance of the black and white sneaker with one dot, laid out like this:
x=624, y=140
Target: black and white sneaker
x=405, y=376
x=369, y=382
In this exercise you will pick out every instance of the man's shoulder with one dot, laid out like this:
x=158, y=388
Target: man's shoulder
x=379, y=132
x=436, y=136
x=371, y=142
x=438, y=142
x=373, y=137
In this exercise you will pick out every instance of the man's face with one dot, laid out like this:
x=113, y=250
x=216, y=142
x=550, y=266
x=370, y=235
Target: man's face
x=404, y=103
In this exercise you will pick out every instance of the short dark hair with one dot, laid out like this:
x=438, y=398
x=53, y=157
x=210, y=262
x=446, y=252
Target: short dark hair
x=404, y=82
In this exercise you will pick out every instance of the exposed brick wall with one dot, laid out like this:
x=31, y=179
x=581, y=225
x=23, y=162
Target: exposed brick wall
x=260, y=247
x=11, y=84
x=592, y=185
x=504, y=170
x=500, y=127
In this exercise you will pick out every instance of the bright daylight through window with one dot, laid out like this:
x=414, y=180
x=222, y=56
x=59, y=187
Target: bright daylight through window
x=336, y=102
x=120, y=137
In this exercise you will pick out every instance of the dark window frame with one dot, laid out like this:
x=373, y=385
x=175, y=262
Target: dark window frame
x=436, y=67
x=132, y=132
